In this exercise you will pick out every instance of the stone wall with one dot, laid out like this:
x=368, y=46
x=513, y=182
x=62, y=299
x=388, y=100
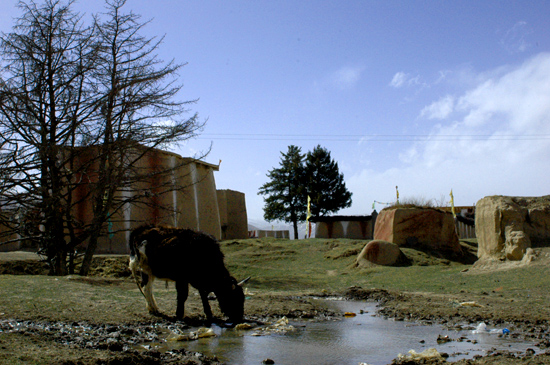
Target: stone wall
x=506, y=226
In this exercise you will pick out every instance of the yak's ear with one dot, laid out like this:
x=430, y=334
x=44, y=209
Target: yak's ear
x=153, y=234
x=242, y=282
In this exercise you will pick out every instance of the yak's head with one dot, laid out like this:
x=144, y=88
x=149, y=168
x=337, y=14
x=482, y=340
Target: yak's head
x=231, y=300
x=137, y=236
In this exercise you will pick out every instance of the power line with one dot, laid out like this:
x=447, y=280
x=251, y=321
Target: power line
x=372, y=137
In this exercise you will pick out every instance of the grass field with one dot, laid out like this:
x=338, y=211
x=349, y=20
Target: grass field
x=290, y=267
x=329, y=264
x=284, y=273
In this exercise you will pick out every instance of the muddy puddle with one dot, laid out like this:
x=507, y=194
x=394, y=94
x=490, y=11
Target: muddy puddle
x=360, y=338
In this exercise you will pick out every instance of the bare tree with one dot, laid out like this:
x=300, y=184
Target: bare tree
x=138, y=109
x=42, y=107
x=80, y=106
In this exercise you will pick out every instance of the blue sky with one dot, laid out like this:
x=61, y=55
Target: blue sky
x=425, y=95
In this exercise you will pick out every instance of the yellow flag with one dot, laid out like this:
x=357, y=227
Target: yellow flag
x=308, y=224
x=308, y=208
x=397, y=193
x=452, y=204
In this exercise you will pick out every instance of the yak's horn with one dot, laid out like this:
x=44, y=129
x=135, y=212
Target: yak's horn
x=242, y=282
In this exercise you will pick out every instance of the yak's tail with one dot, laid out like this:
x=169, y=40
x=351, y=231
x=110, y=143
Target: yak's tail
x=134, y=269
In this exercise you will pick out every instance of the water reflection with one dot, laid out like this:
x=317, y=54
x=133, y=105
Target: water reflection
x=364, y=338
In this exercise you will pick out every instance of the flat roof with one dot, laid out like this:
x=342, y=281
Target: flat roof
x=340, y=218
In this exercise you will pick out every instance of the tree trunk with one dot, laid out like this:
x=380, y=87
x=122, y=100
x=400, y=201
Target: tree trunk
x=90, y=251
x=60, y=267
x=295, y=225
x=56, y=247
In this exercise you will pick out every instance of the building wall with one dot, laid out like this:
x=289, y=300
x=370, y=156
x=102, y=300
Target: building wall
x=233, y=217
x=206, y=200
x=7, y=236
x=345, y=228
x=198, y=206
x=360, y=230
x=194, y=206
x=265, y=233
x=332, y=229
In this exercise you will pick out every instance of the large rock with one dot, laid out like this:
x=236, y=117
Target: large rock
x=506, y=226
x=418, y=227
x=380, y=253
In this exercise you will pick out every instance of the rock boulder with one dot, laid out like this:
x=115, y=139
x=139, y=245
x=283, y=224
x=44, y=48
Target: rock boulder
x=380, y=253
x=506, y=226
x=418, y=227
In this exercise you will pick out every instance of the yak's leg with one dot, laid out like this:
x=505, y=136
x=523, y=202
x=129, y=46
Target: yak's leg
x=182, y=288
x=206, y=305
x=147, y=284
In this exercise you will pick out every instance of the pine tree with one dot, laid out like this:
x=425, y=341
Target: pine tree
x=324, y=183
x=285, y=190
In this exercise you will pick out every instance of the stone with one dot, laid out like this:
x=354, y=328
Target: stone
x=380, y=253
x=517, y=242
x=418, y=227
x=506, y=226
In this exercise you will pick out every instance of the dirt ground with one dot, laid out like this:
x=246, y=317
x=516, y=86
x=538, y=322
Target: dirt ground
x=106, y=328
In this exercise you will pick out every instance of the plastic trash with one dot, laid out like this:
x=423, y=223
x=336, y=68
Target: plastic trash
x=482, y=328
x=430, y=353
x=243, y=326
x=202, y=332
x=281, y=326
x=470, y=304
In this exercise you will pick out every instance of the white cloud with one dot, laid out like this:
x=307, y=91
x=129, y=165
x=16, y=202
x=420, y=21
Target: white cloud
x=517, y=102
x=502, y=144
x=440, y=109
x=515, y=38
x=402, y=79
x=398, y=79
x=346, y=77
x=443, y=74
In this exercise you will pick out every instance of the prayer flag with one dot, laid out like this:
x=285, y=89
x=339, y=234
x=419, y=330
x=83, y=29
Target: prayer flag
x=453, y=204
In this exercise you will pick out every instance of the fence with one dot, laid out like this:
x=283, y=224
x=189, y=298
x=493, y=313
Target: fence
x=465, y=231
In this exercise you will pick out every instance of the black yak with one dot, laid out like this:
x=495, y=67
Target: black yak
x=186, y=257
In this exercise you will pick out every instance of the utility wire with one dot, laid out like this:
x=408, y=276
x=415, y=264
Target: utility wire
x=371, y=137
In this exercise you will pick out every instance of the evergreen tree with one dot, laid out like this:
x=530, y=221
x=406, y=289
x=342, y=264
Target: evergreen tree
x=324, y=183
x=285, y=191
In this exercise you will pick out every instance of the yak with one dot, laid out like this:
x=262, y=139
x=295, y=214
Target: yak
x=186, y=257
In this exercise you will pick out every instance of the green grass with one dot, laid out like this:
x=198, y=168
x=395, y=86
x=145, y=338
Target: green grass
x=318, y=264
x=280, y=267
